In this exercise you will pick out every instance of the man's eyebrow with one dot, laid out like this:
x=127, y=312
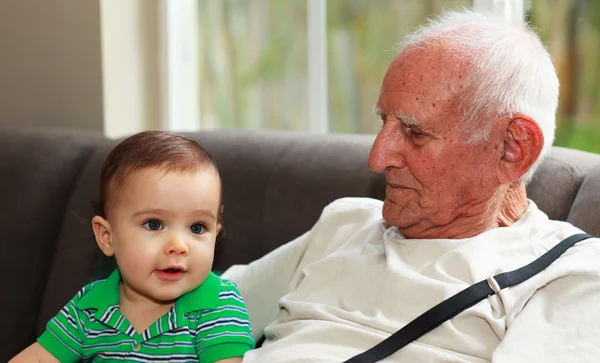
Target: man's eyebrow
x=377, y=111
x=408, y=120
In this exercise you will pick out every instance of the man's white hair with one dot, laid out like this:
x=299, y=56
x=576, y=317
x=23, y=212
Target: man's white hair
x=509, y=71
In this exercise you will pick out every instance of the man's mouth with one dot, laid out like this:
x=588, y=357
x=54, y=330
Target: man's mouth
x=397, y=186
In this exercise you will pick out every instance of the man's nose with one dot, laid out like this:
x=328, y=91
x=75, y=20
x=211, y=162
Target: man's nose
x=386, y=151
x=176, y=245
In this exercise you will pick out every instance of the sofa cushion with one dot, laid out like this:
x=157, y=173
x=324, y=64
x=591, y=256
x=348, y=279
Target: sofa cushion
x=39, y=168
x=556, y=183
x=585, y=212
x=76, y=254
x=276, y=183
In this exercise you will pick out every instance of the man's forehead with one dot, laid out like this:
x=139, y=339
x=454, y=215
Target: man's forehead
x=433, y=108
x=425, y=72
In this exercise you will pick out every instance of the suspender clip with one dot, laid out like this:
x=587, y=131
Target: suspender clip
x=493, y=284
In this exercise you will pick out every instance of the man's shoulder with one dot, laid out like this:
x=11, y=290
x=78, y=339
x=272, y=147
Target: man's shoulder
x=550, y=232
x=581, y=259
x=358, y=206
x=546, y=233
x=343, y=221
x=348, y=213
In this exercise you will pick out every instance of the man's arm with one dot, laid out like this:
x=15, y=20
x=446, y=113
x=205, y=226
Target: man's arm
x=263, y=282
x=35, y=353
x=560, y=323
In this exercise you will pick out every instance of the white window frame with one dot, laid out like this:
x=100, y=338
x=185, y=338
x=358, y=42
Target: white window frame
x=511, y=10
x=181, y=89
x=318, y=104
x=181, y=65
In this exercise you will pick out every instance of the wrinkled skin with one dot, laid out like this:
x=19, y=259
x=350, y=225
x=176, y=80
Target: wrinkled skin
x=439, y=186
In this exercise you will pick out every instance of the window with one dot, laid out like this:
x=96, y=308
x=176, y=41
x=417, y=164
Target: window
x=317, y=65
x=311, y=65
x=360, y=37
x=571, y=31
x=253, y=64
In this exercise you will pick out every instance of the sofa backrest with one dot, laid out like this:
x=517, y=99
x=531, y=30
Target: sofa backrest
x=275, y=185
x=38, y=169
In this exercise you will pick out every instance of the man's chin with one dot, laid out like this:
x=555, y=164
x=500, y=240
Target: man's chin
x=397, y=216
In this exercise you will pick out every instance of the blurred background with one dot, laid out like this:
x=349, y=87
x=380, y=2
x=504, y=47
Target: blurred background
x=310, y=65
x=264, y=46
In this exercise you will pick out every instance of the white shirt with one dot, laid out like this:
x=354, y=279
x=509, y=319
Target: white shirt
x=349, y=283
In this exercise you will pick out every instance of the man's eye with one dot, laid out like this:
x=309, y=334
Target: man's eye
x=197, y=228
x=153, y=225
x=414, y=133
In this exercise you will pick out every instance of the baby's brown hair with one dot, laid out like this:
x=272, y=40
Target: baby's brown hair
x=160, y=149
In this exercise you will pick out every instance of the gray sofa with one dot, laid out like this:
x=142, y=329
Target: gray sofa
x=275, y=185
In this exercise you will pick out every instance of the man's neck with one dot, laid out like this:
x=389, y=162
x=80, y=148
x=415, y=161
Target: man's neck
x=514, y=205
x=500, y=210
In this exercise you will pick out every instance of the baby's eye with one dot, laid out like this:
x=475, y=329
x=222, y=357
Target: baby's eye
x=197, y=228
x=153, y=225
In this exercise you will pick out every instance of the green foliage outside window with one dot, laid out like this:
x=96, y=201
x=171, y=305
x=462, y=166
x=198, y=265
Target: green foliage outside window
x=254, y=61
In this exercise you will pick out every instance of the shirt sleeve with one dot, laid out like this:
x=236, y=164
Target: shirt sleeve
x=560, y=323
x=224, y=332
x=62, y=337
x=265, y=281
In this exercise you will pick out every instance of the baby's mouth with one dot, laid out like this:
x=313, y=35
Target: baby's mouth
x=170, y=273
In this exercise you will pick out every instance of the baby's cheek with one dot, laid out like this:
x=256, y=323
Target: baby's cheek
x=134, y=260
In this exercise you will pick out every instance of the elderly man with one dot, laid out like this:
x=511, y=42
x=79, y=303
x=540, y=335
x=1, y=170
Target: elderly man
x=468, y=111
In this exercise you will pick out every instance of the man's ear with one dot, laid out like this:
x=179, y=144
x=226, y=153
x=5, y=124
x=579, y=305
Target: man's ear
x=103, y=234
x=523, y=143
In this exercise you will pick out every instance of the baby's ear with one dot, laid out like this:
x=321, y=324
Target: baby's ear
x=103, y=235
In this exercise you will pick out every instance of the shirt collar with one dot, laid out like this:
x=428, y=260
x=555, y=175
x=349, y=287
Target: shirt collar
x=205, y=296
x=102, y=294
x=105, y=293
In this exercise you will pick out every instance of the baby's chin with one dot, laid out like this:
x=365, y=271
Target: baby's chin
x=167, y=294
x=167, y=297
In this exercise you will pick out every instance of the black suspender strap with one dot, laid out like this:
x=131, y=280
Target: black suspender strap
x=463, y=300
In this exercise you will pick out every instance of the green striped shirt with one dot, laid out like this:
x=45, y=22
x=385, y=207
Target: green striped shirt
x=207, y=324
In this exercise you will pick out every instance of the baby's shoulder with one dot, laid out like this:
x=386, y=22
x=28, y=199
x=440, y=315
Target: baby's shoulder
x=85, y=291
x=229, y=293
x=93, y=296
